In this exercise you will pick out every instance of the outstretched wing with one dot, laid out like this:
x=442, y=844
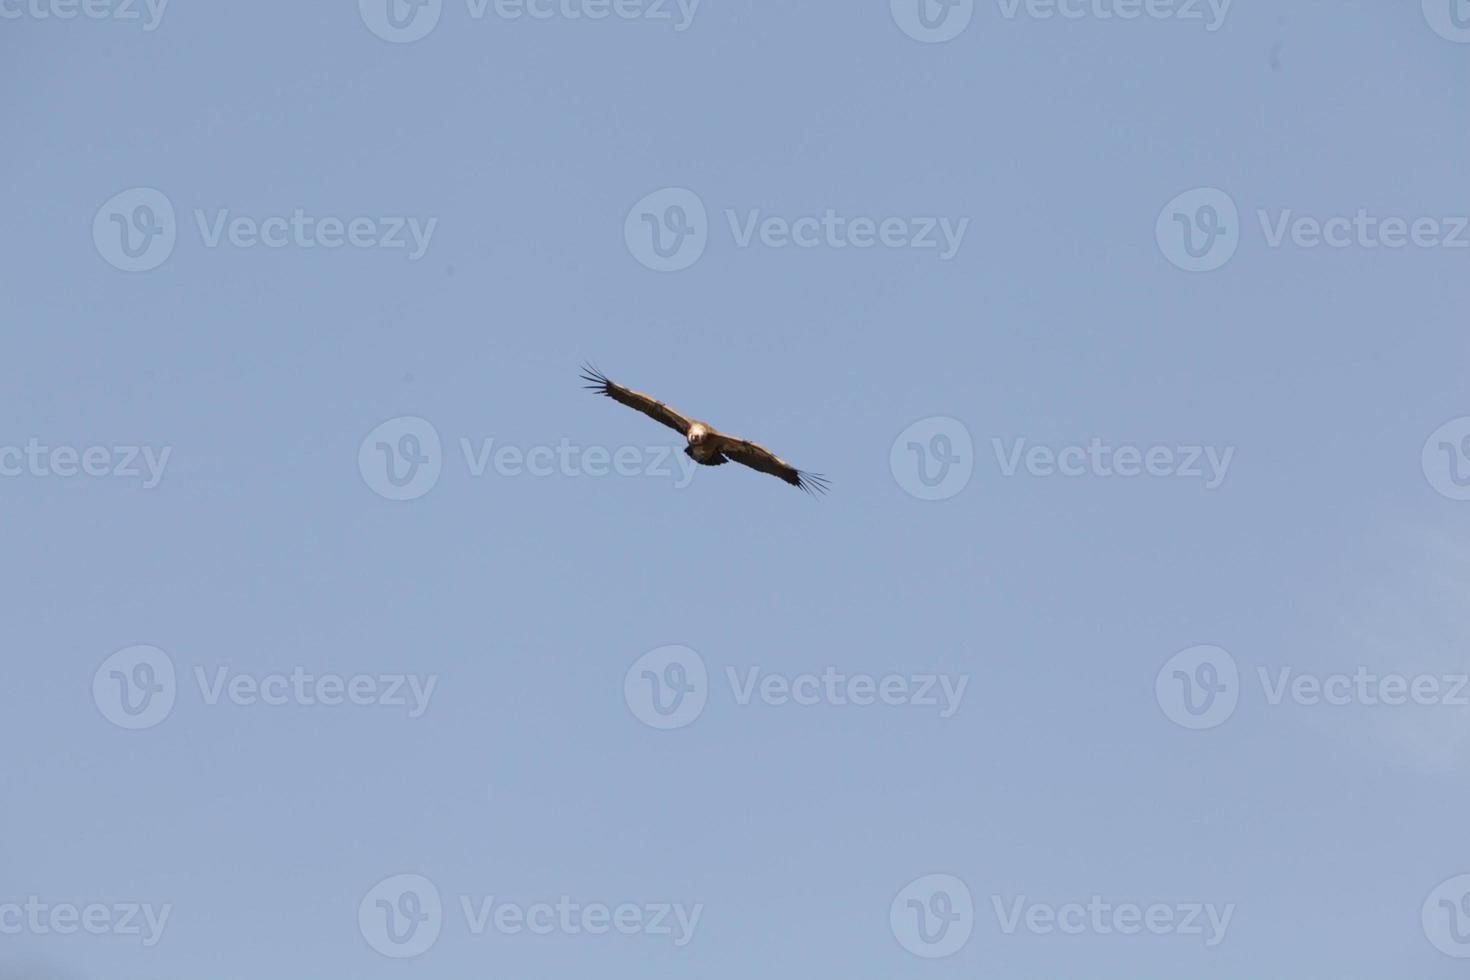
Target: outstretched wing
x=658, y=411
x=762, y=459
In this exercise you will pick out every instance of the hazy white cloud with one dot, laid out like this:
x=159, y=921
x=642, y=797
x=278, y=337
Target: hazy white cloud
x=1408, y=614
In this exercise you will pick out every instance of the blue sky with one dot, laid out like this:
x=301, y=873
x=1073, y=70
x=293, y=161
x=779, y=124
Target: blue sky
x=1134, y=349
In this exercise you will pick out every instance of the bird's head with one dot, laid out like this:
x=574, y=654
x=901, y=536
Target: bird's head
x=697, y=433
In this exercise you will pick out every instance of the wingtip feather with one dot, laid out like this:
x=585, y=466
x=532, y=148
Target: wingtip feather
x=596, y=380
x=815, y=484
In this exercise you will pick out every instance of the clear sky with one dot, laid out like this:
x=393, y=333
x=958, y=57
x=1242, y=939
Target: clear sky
x=267, y=267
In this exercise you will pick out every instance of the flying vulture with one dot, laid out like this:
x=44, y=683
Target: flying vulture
x=706, y=445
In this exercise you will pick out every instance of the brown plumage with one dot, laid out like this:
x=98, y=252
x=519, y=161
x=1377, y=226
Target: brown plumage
x=706, y=444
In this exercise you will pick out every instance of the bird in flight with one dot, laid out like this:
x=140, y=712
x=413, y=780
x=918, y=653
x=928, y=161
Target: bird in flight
x=707, y=446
